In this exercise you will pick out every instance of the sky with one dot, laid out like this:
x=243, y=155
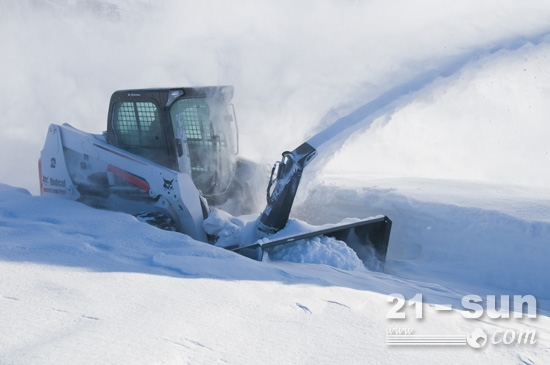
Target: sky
x=296, y=68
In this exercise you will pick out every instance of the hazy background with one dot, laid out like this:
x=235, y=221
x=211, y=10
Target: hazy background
x=296, y=66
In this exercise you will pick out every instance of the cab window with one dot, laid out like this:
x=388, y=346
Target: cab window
x=194, y=122
x=137, y=129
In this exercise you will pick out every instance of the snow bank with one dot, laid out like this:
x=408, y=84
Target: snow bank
x=59, y=232
x=85, y=285
x=466, y=235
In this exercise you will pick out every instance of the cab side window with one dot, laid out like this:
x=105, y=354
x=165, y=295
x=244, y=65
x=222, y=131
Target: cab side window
x=137, y=129
x=137, y=124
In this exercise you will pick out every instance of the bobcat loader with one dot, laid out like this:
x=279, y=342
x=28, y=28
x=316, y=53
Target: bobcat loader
x=168, y=155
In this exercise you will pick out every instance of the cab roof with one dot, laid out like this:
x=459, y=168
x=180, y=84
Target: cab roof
x=166, y=96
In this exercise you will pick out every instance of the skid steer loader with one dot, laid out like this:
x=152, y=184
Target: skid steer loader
x=168, y=155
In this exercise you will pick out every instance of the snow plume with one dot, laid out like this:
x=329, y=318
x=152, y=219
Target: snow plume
x=291, y=64
x=482, y=117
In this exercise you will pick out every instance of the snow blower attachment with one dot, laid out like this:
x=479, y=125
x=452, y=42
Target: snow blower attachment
x=168, y=155
x=366, y=237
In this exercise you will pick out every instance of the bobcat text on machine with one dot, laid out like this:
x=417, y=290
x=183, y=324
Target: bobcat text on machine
x=170, y=154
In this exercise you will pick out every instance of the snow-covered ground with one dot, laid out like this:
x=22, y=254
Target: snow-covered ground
x=447, y=136
x=81, y=285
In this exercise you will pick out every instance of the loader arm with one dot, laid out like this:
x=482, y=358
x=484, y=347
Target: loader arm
x=84, y=167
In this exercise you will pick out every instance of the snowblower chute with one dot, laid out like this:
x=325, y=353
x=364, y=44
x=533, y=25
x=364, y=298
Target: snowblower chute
x=366, y=237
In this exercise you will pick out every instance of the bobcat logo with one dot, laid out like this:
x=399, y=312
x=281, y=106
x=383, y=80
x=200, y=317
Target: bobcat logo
x=168, y=184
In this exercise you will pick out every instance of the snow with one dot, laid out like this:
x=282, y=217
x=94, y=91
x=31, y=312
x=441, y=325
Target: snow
x=319, y=250
x=436, y=118
x=95, y=286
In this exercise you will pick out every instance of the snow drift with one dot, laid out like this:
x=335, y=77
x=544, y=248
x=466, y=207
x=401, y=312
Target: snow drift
x=80, y=284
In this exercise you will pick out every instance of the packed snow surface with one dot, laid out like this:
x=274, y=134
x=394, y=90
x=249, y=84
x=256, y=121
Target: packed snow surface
x=437, y=119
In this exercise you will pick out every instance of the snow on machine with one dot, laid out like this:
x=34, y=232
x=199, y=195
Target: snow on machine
x=168, y=155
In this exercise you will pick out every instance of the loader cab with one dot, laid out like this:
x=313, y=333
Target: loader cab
x=190, y=130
